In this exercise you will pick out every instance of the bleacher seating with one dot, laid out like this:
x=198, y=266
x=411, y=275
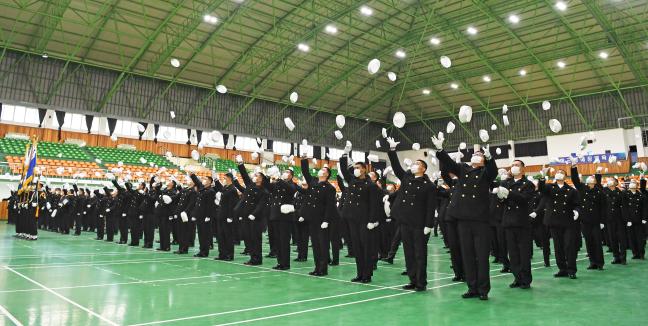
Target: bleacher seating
x=220, y=165
x=17, y=147
x=128, y=157
x=50, y=167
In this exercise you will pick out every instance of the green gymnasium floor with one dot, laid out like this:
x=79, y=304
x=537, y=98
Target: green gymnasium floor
x=66, y=280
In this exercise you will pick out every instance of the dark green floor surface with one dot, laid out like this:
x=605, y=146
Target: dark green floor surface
x=66, y=280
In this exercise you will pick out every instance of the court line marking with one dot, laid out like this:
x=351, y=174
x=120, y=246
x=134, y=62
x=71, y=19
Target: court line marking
x=11, y=317
x=103, y=263
x=63, y=297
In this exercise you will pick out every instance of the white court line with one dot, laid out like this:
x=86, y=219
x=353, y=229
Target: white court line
x=63, y=297
x=92, y=263
x=98, y=253
x=10, y=316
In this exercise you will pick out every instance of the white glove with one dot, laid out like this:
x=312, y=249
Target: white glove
x=156, y=204
x=495, y=191
x=438, y=142
x=65, y=201
x=385, y=198
x=239, y=159
x=533, y=215
x=193, y=219
x=167, y=200
x=544, y=171
x=388, y=220
x=602, y=226
x=229, y=220
x=388, y=170
x=324, y=225
x=427, y=230
x=218, y=198
x=436, y=213
x=171, y=218
x=502, y=193
x=575, y=215
x=643, y=221
x=123, y=214
x=487, y=153
x=107, y=210
x=84, y=213
x=376, y=224
x=287, y=209
x=184, y=217
x=300, y=219
x=54, y=213
x=387, y=208
x=141, y=217
x=629, y=224
x=392, y=143
x=175, y=217
x=48, y=205
x=251, y=217
x=207, y=219
x=88, y=206
x=370, y=226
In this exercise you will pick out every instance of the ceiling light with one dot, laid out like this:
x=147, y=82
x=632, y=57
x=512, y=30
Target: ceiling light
x=513, y=19
x=175, y=63
x=303, y=47
x=331, y=29
x=435, y=41
x=471, y=30
x=523, y=72
x=400, y=54
x=366, y=11
x=561, y=64
x=426, y=91
x=486, y=79
x=603, y=55
x=454, y=86
x=209, y=19
x=561, y=5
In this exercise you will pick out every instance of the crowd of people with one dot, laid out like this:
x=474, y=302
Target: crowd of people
x=480, y=210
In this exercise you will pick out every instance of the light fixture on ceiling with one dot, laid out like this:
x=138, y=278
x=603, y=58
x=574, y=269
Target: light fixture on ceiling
x=513, y=18
x=425, y=91
x=454, y=86
x=471, y=30
x=175, y=62
x=331, y=29
x=366, y=11
x=486, y=79
x=400, y=54
x=303, y=47
x=435, y=41
x=523, y=72
x=561, y=64
x=209, y=19
x=603, y=55
x=561, y=5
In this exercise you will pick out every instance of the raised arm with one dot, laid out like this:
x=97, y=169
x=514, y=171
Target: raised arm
x=395, y=164
x=340, y=183
x=491, y=169
x=196, y=181
x=576, y=177
x=244, y=175
x=344, y=167
x=446, y=163
x=306, y=172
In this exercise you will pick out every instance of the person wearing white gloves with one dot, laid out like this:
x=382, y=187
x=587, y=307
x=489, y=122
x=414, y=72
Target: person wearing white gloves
x=185, y=226
x=414, y=208
x=516, y=193
x=252, y=211
x=634, y=207
x=318, y=209
x=591, y=208
x=615, y=224
x=360, y=209
x=167, y=201
x=561, y=216
x=282, y=215
x=202, y=211
x=228, y=199
x=470, y=207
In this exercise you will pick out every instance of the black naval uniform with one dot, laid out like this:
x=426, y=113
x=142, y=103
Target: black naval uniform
x=615, y=224
x=253, y=202
x=228, y=199
x=454, y=245
x=634, y=210
x=165, y=214
x=202, y=211
x=591, y=208
x=186, y=200
x=282, y=192
x=470, y=206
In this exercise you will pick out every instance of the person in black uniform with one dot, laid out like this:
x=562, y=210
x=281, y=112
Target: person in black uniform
x=344, y=223
x=516, y=194
x=634, y=208
x=126, y=198
x=227, y=198
x=252, y=209
x=454, y=246
x=301, y=228
x=414, y=207
x=591, y=208
x=282, y=195
x=103, y=203
x=147, y=210
x=113, y=212
x=318, y=209
x=499, y=234
x=615, y=222
x=470, y=207
x=561, y=217
x=360, y=211
x=186, y=199
x=202, y=211
x=540, y=231
x=165, y=207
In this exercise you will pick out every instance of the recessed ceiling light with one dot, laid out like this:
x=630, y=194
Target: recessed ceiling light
x=523, y=72
x=331, y=29
x=486, y=79
x=514, y=19
x=175, y=63
x=435, y=41
x=425, y=91
x=471, y=30
x=303, y=47
x=366, y=11
x=454, y=86
x=209, y=19
x=400, y=54
x=561, y=64
x=603, y=55
x=45, y=56
x=561, y=5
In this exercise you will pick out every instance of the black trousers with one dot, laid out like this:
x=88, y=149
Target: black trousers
x=273, y=237
x=110, y=226
x=165, y=231
x=345, y=233
x=77, y=223
x=444, y=232
x=415, y=249
x=565, y=247
x=205, y=237
x=502, y=246
x=637, y=237
x=395, y=243
x=320, y=240
x=123, y=228
x=254, y=239
x=225, y=239
x=475, y=239
x=542, y=235
x=455, y=248
x=101, y=221
x=135, y=225
x=174, y=225
x=333, y=234
x=519, y=242
x=618, y=239
x=593, y=243
x=360, y=238
x=284, y=230
x=302, y=235
x=149, y=229
x=183, y=234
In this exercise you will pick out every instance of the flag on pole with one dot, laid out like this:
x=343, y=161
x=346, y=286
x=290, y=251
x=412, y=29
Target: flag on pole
x=28, y=166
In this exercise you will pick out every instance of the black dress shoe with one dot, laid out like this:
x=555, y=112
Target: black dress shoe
x=271, y=256
x=163, y=249
x=572, y=276
x=404, y=273
x=505, y=270
x=514, y=285
x=349, y=256
x=635, y=257
x=133, y=244
x=591, y=266
x=409, y=287
x=616, y=261
x=547, y=265
x=458, y=279
x=180, y=252
x=389, y=260
x=483, y=297
x=252, y=263
x=366, y=280
x=420, y=289
x=525, y=286
x=148, y=246
x=174, y=242
x=299, y=259
x=469, y=295
x=334, y=263
x=356, y=279
x=600, y=268
x=199, y=255
x=561, y=274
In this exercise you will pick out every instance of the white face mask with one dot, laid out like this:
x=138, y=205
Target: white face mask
x=357, y=173
x=632, y=186
x=320, y=173
x=285, y=176
x=476, y=159
x=610, y=183
x=415, y=168
x=440, y=182
x=515, y=170
x=560, y=176
x=141, y=191
x=390, y=188
x=254, y=179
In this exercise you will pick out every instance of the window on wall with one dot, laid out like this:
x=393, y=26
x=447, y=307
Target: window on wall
x=172, y=134
x=19, y=114
x=124, y=128
x=357, y=156
x=281, y=148
x=76, y=122
x=306, y=150
x=246, y=143
x=335, y=154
